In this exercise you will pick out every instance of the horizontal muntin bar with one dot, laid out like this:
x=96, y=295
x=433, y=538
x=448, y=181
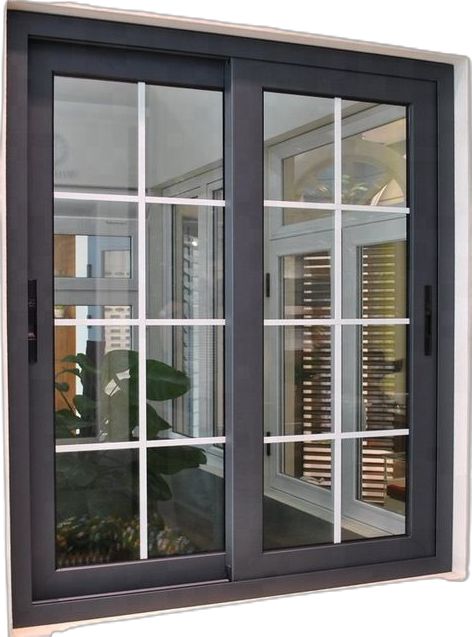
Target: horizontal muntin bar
x=96, y=196
x=215, y=203
x=177, y=322
x=134, y=322
x=96, y=322
x=96, y=446
x=345, y=435
x=332, y=321
x=185, y=442
x=311, y=205
x=150, y=444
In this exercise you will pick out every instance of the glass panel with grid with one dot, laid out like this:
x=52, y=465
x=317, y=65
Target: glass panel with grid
x=336, y=320
x=139, y=321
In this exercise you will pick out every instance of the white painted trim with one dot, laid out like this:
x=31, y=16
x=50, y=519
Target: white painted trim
x=186, y=442
x=341, y=435
x=142, y=348
x=389, y=209
x=185, y=201
x=139, y=444
x=336, y=464
x=200, y=321
x=339, y=321
x=111, y=197
x=309, y=205
x=384, y=433
x=231, y=28
x=462, y=318
x=301, y=205
x=268, y=440
x=95, y=196
x=148, y=322
x=95, y=322
x=96, y=446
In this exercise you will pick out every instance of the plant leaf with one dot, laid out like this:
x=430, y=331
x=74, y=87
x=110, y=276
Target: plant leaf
x=71, y=370
x=163, y=382
x=85, y=406
x=157, y=487
x=170, y=460
x=82, y=361
x=155, y=423
x=66, y=423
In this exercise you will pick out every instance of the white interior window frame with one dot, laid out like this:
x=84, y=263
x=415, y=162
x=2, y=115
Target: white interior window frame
x=201, y=184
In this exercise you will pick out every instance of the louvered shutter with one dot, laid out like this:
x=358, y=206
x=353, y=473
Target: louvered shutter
x=380, y=297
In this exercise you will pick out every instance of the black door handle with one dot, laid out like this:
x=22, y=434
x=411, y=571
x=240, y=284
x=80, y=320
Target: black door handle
x=428, y=320
x=32, y=321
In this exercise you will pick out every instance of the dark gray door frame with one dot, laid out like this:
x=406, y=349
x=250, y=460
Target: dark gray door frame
x=428, y=90
x=420, y=98
x=48, y=60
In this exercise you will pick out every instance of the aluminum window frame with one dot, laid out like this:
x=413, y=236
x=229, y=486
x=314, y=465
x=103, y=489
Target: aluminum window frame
x=23, y=29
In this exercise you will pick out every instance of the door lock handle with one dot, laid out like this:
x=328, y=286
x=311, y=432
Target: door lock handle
x=428, y=320
x=32, y=321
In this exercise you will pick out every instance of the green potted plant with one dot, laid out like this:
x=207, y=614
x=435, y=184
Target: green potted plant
x=97, y=492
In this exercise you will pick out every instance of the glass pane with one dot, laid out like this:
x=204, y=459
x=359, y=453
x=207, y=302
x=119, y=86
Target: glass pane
x=298, y=506
x=96, y=379
x=95, y=135
x=375, y=390
x=299, y=266
x=95, y=257
x=102, y=256
x=291, y=216
x=375, y=487
x=185, y=381
x=185, y=500
x=375, y=274
x=374, y=148
x=299, y=149
x=83, y=312
x=97, y=508
x=185, y=261
x=184, y=141
x=297, y=380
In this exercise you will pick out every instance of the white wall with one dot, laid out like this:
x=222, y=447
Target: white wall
x=430, y=607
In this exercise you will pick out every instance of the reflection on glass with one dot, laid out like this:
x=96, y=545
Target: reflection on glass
x=297, y=380
x=96, y=384
x=304, y=515
x=299, y=267
x=374, y=265
x=97, y=509
x=83, y=312
x=185, y=381
x=302, y=215
x=374, y=162
x=184, y=140
x=185, y=261
x=374, y=474
x=96, y=256
x=299, y=151
x=375, y=393
x=306, y=285
x=95, y=259
x=185, y=500
x=95, y=135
